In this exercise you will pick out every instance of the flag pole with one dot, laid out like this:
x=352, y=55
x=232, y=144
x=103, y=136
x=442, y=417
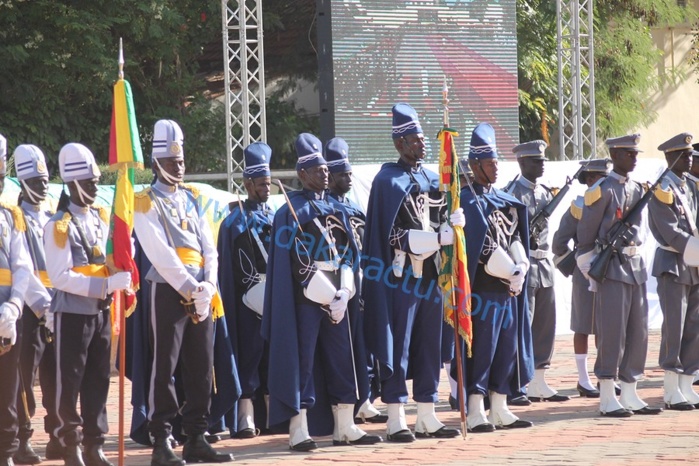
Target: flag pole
x=119, y=304
x=457, y=345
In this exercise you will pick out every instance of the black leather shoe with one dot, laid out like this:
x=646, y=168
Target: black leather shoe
x=54, y=450
x=684, y=406
x=453, y=403
x=245, y=433
x=94, y=456
x=163, y=455
x=197, y=450
x=587, y=393
x=306, y=445
x=518, y=424
x=442, y=432
x=621, y=412
x=553, y=398
x=6, y=461
x=212, y=438
x=402, y=436
x=521, y=400
x=73, y=456
x=696, y=382
x=648, y=410
x=378, y=419
x=482, y=428
x=367, y=439
x=25, y=454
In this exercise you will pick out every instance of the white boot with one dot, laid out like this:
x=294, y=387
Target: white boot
x=500, y=415
x=608, y=402
x=629, y=397
x=476, y=417
x=396, y=418
x=427, y=421
x=246, y=418
x=367, y=411
x=346, y=431
x=672, y=395
x=685, y=383
x=299, y=438
x=538, y=388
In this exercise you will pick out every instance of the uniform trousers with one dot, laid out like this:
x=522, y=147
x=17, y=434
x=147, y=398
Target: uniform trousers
x=542, y=314
x=679, y=348
x=323, y=342
x=175, y=337
x=621, y=326
x=582, y=305
x=494, y=343
x=36, y=354
x=416, y=326
x=250, y=351
x=83, y=349
x=9, y=386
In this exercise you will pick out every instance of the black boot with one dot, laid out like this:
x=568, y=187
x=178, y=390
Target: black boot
x=73, y=456
x=197, y=450
x=163, y=454
x=25, y=454
x=54, y=450
x=94, y=456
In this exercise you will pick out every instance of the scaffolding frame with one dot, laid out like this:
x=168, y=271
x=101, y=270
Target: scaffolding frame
x=576, y=79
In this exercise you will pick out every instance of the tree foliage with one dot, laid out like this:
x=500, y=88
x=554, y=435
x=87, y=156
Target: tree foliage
x=625, y=61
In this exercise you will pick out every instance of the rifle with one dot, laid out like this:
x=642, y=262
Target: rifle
x=540, y=219
x=511, y=183
x=621, y=233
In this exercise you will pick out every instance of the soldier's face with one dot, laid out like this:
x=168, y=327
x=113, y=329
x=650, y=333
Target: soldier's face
x=88, y=186
x=680, y=161
x=592, y=178
x=532, y=168
x=341, y=183
x=258, y=188
x=485, y=171
x=411, y=148
x=314, y=178
x=624, y=160
x=173, y=166
x=39, y=185
x=694, y=169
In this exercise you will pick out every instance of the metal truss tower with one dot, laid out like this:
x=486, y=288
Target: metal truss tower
x=576, y=79
x=245, y=82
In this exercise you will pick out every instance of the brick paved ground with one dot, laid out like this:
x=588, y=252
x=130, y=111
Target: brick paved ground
x=570, y=433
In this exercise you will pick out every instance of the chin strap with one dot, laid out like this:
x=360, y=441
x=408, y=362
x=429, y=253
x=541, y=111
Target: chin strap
x=85, y=198
x=168, y=177
x=34, y=198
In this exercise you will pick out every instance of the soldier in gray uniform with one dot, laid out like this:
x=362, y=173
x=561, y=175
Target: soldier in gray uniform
x=15, y=278
x=582, y=300
x=672, y=219
x=37, y=339
x=75, y=239
x=621, y=323
x=540, y=293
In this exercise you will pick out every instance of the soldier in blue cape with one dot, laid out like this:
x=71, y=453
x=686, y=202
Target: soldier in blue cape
x=406, y=227
x=336, y=153
x=310, y=319
x=497, y=247
x=243, y=245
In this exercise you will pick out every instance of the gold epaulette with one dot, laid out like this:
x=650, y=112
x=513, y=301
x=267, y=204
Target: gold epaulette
x=575, y=211
x=195, y=191
x=103, y=213
x=553, y=191
x=17, y=217
x=664, y=195
x=60, y=230
x=142, y=201
x=593, y=194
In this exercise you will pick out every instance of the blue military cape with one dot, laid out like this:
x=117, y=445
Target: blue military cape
x=279, y=325
x=476, y=226
x=388, y=191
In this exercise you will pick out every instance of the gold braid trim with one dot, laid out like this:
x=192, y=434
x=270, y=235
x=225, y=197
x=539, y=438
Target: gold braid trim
x=60, y=230
x=142, y=201
x=17, y=217
x=103, y=213
x=195, y=191
x=593, y=195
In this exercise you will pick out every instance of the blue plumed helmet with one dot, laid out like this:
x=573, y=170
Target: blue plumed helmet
x=309, y=151
x=483, y=143
x=337, y=155
x=405, y=121
x=257, y=155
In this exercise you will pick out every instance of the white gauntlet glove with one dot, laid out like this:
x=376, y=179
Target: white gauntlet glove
x=204, y=293
x=9, y=313
x=49, y=321
x=446, y=235
x=457, y=218
x=202, y=310
x=519, y=274
x=338, y=307
x=118, y=281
